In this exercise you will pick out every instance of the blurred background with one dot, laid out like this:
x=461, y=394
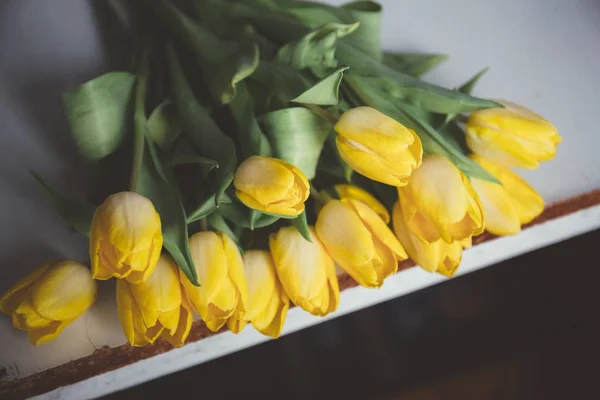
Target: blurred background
x=522, y=329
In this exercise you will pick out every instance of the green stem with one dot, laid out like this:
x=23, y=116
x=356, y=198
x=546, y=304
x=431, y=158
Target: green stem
x=317, y=196
x=139, y=118
x=203, y=224
x=321, y=112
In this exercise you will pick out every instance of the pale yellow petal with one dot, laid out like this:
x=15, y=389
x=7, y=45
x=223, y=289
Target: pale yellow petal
x=184, y=326
x=65, y=291
x=378, y=228
x=47, y=333
x=210, y=263
x=159, y=293
x=129, y=315
x=437, y=189
x=236, y=325
x=344, y=234
x=357, y=193
x=299, y=266
x=264, y=179
x=262, y=280
x=500, y=213
x=427, y=255
x=271, y=323
x=15, y=294
x=26, y=316
x=235, y=267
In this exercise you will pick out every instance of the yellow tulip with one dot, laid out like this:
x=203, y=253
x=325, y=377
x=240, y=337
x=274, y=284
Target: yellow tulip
x=49, y=298
x=267, y=302
x=155, y=308
x=220, y=269
x=507, y=206
x=359, y=241
x=438, y=256
x=378, y=146
x=272, y=186
x=125, y=238
x=306, y=271
x=357, y=193
x=439, y=202
x=512, y=136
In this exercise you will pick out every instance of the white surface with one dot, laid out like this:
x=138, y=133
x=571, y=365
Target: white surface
x=543, y=53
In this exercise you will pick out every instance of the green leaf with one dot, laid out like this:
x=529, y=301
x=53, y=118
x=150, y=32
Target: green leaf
x=241, y=216
x=466, y=87
x=98, y=113
x=250, y=137
x=297, y=136
x=316, y=49
x=206, y=208
x=164, y=126
x=224, y=63
x=76, y=213
x=182, y=159
x=301, y=225
x=413, y=64
x=325, y=92
x=368, y=36
x=218, y=223
x=204, y=133
x=282, y=80
x=154, y=184
x=403, y=87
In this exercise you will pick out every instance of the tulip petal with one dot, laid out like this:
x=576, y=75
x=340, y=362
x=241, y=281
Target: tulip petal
x=263, y=179
x=66, y=291
x=26, y=317
x=344, y=234
x=235, y=267
x=370, y=126
x=393, y=171
x=16, y=293
x=159, y=294
x=236, y=325
x=299, y=265
x=438, y=190
x=357, y=193
x=129, y=315
x=387, y=263
x=501, y=217
x=271, y=323
x=426, y=255
x=47, y=333
x=378, y=228
x=184, y=326
x=211, y=268
x=262, y=281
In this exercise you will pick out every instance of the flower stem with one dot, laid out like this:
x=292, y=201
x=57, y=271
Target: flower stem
x=321, y=112
x=139, y=134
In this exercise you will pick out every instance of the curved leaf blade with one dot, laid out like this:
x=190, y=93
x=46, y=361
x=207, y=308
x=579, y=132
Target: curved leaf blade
x=98, y=113
x=77, y=213
x=164, y=126
x=297, y=136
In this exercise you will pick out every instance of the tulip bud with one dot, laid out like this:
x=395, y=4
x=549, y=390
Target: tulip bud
x=512, y=136
x=507, y=206
x=357, y=193
x=378, y=146
x=306, y=271
x=439, y=202
x=154, y=308
x=267, y=302
x=49, y=298
x=125, y=238
x=359, y=241
x=223, y=292
x=272, y=186
x=438, y=256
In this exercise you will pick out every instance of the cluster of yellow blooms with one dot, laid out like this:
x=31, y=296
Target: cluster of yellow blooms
x=437, y=213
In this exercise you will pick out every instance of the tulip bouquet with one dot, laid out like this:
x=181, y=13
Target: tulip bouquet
x=250, y=148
